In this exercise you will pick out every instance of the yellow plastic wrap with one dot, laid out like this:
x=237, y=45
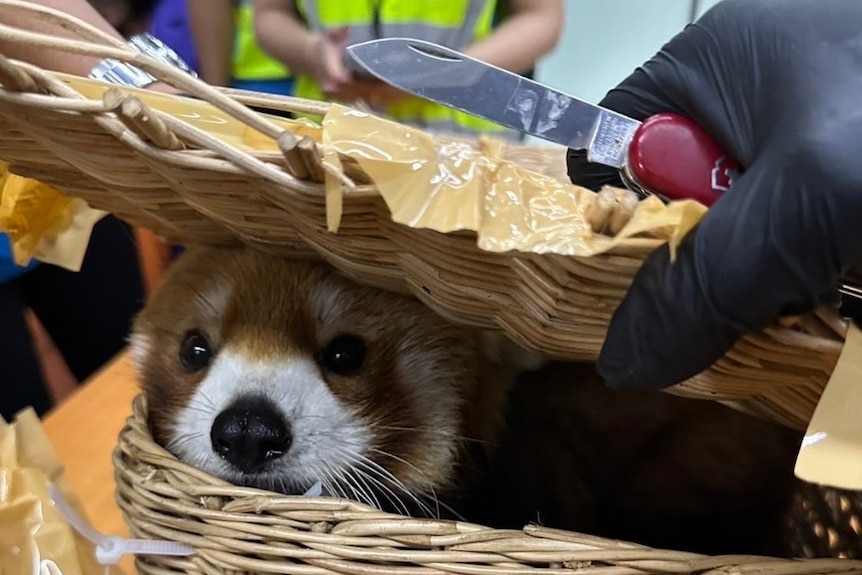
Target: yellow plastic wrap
x=34, y=536
x=448, y=186
x=42, y=223
x=426, y=182
x=454, y=186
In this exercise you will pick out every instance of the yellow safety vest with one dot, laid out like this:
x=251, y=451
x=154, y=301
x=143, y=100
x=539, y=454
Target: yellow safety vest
x=250, y=62
x=452, y=23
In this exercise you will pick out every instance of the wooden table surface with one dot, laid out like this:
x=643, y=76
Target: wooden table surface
x=84, y=431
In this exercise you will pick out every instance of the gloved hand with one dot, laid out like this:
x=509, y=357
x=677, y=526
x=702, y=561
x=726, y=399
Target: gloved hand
x=778, y=83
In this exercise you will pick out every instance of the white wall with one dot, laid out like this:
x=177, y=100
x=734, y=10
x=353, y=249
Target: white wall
x=605, y=40
x=704, y=5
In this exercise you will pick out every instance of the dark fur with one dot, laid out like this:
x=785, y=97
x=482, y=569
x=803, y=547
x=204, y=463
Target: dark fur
x=269, y=315
x=645, y=467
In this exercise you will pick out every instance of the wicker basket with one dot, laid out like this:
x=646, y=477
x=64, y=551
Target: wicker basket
x=236, y=530
x=191, y=186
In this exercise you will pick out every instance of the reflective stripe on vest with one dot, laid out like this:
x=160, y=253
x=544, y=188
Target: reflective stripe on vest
x=453, y=23
x=250, y=62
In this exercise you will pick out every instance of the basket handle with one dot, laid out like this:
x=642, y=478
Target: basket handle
x=94, y=42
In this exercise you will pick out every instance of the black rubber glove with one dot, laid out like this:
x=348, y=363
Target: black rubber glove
x=779, y=84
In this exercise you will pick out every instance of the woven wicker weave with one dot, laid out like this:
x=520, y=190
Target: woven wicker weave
x=241, y=530
x=190, y=186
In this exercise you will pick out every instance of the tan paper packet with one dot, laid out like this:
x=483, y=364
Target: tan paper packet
x=32, y=530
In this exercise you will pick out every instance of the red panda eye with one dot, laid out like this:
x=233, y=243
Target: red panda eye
x=344, y=355
x=195, y=351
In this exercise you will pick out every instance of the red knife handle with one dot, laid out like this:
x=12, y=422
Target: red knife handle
x=673, y=157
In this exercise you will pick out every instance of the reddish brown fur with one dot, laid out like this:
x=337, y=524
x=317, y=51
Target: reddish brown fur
x=643, y=466
x=647, y=467
x=268, y=314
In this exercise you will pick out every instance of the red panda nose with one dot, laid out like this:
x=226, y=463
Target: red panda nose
x=250, y=433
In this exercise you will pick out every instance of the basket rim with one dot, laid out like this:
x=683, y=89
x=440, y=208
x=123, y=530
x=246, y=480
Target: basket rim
x=552, y=304
x=360, y=535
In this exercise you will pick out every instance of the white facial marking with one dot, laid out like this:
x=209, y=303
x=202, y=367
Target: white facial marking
x=327, y=434
x=139, y=346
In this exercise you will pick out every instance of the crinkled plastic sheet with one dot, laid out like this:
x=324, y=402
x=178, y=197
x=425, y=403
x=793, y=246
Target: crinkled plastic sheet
x=448, y=186
x=426, y=181
x=42, y=223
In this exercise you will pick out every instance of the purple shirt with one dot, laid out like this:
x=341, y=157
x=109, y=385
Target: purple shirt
x=170, y=24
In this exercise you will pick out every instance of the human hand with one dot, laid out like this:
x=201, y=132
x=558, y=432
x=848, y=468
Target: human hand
x=329, y=70
x=777, y=83
x=378, y=95
x=164, y=88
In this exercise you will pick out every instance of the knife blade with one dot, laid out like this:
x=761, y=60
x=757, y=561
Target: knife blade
x=667, y=155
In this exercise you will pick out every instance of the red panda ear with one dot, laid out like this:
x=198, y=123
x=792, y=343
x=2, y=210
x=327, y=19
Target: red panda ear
x=498, y=348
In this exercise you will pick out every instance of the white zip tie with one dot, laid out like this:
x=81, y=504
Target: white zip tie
x=110, y=549
x=48, y=567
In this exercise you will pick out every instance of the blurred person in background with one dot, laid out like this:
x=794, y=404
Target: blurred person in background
x=216, y=38
x=57, y=327
x=110, y=287
x=169, y=22
x=128, y=17
x=310, y=37
x=228, y=50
